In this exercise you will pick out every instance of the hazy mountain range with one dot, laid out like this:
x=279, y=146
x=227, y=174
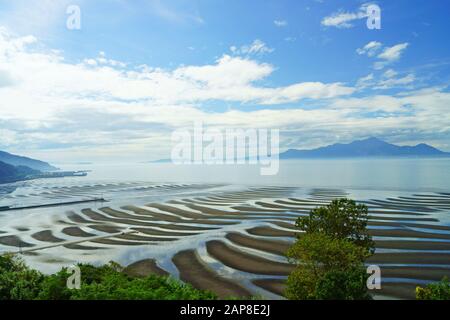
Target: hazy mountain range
x=371, y=147
x=10, y=173
x=16, y=168
x=15, y=160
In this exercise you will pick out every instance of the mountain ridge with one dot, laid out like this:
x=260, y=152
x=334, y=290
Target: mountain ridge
x=370, y=147
x=16, y=160
x=10, y=173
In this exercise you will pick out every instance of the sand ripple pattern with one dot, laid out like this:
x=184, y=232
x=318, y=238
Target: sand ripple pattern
x=233, y=241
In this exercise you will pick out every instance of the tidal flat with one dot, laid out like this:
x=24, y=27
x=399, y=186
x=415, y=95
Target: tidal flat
x=226, y=238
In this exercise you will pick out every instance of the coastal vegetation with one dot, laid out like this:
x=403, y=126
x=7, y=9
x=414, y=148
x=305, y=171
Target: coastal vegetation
x=434, y=291
x=107, y=282
x=329, y=256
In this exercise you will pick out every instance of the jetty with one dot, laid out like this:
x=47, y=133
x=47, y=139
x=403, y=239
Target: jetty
x=49, y=205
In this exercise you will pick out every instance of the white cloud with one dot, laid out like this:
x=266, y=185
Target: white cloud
x=365, y=82
x=102, y=60
x=386, y=80
x=343, y=20
x=393, y=53
x=370, y=49
x=280, y=23
x=380, y=103
x=163, y=10
x=227, y=72
x=109, y=110
x=6, y=79
x=8, y=137
x=46, y=76
x=387, y=56
x=390, y=73
x=257, y=47
x=390, y=55
x=395, y=82
x=101, y=101
x=39, y=17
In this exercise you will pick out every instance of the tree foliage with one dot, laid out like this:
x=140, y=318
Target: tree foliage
x=343, y=285
x=326, y=253
x=19, y=282
x=327, y=268
x=330, y=254
x=341, y=219
x=434, y=291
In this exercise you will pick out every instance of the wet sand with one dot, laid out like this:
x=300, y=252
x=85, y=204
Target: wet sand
x=276, y=247
x=46, y=236
x=194, y=271
x=77, y=232
x=276, y=286
x=143, y=238
x=425, y=273
x=105, y=228
x=14, y=241
x=264, y=218
x=271, y=232
x=411, y=258
x=243, y=261
x=412, y=245
x=155, y=232
x=403, y=233
x=144, y=268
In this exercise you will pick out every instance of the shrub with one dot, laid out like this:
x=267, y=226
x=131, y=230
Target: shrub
x=19, y=282
x=434, y=291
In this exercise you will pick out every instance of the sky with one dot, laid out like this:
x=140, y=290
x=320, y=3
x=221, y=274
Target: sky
x=116, y=88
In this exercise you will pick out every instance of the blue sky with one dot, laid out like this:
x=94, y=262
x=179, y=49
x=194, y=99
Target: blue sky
x=137, y=70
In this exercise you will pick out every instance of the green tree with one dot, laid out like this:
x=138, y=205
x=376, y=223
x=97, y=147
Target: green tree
x=434, y=291
x=118, y=286
x=343, y=285
x=324, y=264
x=17, y=281
x=330, y=254
x=54, y=287
x=341, y=219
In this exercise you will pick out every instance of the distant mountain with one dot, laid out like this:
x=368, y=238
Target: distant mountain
x=371, y=147
x=10, y=173
x=15, y=160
